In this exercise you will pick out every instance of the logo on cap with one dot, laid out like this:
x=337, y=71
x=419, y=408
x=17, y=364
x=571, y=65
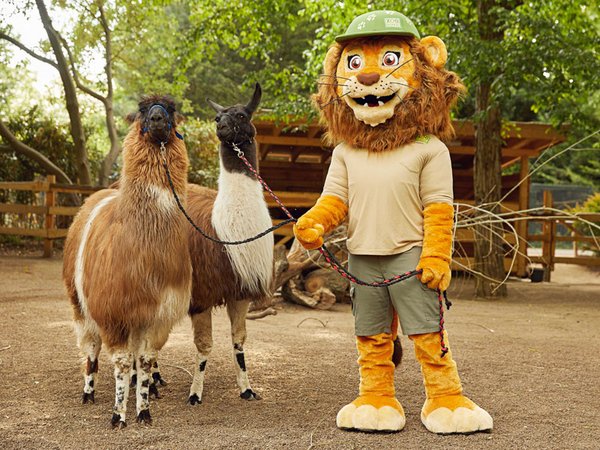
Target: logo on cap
x=392, y=22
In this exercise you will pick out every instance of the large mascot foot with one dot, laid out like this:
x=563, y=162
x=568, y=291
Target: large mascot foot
x=372, y=413
x=455, y=414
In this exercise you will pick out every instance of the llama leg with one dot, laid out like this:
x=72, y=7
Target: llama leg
x=156, y=380
x=144, y=363
x=202, y=324
x=122, y=359
x=90, y=343
x=133, y=378
x=237, y=311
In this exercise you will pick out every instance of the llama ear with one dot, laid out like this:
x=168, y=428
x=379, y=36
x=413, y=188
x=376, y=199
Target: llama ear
x=218, y=108
x=253, y=104
x=178, y=118
x=130, y=118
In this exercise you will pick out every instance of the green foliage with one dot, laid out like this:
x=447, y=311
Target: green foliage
x=203, y=150
x=591, y=205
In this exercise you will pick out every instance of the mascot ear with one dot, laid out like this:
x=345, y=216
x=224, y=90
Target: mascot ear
x=435, y=51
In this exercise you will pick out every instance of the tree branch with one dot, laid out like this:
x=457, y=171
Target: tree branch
x=27, y=50
x=78, y=82
x=19, y=147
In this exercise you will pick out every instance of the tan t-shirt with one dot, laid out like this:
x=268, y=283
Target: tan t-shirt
x=386, y=193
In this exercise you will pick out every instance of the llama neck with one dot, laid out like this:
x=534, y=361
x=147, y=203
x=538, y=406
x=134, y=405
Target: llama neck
x=230, y=161
x=143, y=164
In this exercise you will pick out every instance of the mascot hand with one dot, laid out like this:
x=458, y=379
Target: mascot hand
x=309, y=233
x=438, y=220
x=436, y=273
x=328, y=213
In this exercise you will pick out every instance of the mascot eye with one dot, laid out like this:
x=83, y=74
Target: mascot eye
x=391, y=59
x=354, y=62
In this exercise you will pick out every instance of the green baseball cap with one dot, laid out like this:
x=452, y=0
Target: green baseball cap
x=379, y=23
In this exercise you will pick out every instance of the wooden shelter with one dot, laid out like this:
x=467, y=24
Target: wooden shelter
x=294, y=162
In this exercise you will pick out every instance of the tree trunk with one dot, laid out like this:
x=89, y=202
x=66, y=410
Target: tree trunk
x=76, y=125
x=487, y=175
x=115, y=144
x=115, y=147
x=489, y=252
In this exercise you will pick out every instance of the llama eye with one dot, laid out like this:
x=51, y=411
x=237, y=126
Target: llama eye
x=354, y=62
x=241, y=116
x=217, y=119
x=391, y=59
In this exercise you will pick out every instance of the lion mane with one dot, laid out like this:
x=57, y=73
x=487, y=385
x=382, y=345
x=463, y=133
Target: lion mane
x=423, y=111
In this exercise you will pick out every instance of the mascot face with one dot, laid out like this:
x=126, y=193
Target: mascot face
x=380, y=92
x=374, y=77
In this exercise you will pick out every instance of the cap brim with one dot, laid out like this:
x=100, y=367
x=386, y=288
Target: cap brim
x=347, y=37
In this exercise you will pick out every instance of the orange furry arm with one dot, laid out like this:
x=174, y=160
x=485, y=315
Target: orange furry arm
x=328, y=213
x=437, y=245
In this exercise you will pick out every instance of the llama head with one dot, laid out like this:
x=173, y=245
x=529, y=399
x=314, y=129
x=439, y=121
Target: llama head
x=234, y=122
x=156, y=118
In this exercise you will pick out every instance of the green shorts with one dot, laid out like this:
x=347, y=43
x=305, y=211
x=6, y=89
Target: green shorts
x=417, y=305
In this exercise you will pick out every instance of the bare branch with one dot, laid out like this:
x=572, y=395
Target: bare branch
x=78, y=82
x=27, y=50
x=24, y=149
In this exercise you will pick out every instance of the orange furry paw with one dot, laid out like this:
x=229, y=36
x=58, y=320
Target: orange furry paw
x=454, y=414
x=372, y=413
x=436, y=272
x=309, y=233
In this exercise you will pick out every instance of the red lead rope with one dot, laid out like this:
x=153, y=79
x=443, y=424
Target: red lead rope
x=337, y=266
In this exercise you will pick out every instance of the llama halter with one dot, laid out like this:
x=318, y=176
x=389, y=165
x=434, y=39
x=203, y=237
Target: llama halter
x=169, y=123
x=329, y=257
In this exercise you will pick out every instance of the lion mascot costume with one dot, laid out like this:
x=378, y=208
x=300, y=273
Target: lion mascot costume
x=386, y=103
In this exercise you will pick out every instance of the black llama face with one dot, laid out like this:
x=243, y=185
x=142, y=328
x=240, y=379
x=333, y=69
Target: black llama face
x=234, y=124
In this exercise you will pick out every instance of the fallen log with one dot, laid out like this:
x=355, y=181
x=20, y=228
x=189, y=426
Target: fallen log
x=322, y=298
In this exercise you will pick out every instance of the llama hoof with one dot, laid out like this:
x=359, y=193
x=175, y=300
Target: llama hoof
x=158, y=379
x=455, y=414
x=194, y=400
x=117, y=423
x=144, y=417
x=153, y=390
x=133, y=380
x=372, y=414
x=88, y=398
x=249, y=394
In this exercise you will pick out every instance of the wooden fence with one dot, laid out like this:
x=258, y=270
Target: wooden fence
x=48, y=210
x=549, y=237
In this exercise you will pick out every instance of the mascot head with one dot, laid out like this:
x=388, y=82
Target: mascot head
x=384, y=86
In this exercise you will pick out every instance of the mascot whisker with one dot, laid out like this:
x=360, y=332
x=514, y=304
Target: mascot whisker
x=391, y=177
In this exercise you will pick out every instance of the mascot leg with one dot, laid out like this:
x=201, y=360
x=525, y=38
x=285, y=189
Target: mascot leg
x=446, y=410
x=376, y=408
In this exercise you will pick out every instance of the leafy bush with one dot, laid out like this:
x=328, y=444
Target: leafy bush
x=591, y=205
x=203, y=150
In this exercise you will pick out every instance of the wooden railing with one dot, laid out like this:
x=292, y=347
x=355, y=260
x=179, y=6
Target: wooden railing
x=550, y=236
x=48, y=229
x=49, y=210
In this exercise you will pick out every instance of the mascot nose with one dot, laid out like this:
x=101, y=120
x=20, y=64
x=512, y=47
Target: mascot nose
x=368, y=78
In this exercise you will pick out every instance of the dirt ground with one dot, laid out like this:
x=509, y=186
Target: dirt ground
x=532, y=360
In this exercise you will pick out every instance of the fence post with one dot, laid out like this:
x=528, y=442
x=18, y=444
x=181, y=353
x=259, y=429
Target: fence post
x=549, y=242
x=49, y=221
x=521, y=225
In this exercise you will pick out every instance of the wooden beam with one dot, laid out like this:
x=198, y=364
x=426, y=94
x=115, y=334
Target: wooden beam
x=290, y=140
x=22, y=209
x=467, y=150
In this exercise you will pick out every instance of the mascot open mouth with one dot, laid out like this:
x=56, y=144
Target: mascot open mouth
x=373, y=101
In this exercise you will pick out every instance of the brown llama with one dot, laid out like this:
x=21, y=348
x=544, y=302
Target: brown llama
x=241, y=273
x=126, y=260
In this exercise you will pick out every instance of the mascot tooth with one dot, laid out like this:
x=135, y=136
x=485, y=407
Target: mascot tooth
x=391, y=176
